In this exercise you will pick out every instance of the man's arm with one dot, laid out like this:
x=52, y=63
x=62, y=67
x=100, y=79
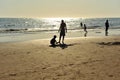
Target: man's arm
x=66, y=28
x=59, y=28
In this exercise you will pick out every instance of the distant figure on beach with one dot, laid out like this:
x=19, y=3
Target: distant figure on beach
x=53, y=41
x=62, y=30
x=81, y=24
x=106, y=27
x=85, y=29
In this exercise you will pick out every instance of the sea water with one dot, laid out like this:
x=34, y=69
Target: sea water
x=17, y=29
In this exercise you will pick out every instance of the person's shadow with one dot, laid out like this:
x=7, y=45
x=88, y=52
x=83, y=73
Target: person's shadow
x=63, y=46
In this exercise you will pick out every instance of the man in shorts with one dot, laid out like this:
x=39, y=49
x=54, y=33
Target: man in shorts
x=62, y=30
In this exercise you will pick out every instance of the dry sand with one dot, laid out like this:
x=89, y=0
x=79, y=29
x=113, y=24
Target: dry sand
x=80, y=59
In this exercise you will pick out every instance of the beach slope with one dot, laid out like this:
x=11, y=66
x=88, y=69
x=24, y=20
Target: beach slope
x=79, y=59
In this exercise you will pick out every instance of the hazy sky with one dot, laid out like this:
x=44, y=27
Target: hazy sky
x=59, y=8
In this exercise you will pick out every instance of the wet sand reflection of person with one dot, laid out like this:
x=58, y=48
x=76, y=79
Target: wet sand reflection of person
x=62, y=30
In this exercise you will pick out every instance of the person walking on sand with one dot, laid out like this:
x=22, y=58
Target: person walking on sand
x=85, y=28
x=106, y=27
x=62, y=30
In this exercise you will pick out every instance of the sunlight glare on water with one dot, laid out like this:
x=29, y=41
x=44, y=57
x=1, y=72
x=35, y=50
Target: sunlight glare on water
x=57, y=19
x=55, y=22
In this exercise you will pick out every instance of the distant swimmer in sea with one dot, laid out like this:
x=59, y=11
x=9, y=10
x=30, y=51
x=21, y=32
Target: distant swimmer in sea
x=62, y=30
x=106, y=27
x=53, y=41
x=85, y=29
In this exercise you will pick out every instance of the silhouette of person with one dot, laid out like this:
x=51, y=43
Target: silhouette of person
x=85, y=29
x=106, y=27
x=62, y=30
x=53, y=41
x=81, y=24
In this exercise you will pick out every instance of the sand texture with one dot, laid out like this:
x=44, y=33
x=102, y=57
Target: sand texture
x=79, y=59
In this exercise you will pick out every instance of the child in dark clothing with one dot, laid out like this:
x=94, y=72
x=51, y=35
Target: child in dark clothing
x=53, y=41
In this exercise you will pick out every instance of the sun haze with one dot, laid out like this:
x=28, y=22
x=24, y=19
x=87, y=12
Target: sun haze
x=59, y=8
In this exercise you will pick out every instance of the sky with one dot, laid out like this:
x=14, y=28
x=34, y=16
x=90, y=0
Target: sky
x=59, y=8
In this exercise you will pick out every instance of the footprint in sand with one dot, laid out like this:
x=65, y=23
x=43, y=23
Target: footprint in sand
x=110, y=75
x=12, y=74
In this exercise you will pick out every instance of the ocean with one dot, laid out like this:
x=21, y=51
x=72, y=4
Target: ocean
x=46, y=24
x=17, y=27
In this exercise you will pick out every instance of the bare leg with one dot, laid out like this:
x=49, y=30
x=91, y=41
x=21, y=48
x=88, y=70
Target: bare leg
x=106, y=33
x=63, y=40
x=59, y=38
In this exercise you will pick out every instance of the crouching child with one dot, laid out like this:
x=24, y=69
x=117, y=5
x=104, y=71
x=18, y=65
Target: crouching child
x=53, y=41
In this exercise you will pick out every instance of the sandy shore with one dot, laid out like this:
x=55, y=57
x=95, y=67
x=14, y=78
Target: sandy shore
x=80, y=59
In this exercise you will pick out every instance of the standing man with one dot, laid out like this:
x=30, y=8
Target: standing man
x=62, y=30
x=106, y=27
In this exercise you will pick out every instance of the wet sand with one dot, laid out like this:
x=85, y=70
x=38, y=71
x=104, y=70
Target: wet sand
x=86, y=58
x=25, y=36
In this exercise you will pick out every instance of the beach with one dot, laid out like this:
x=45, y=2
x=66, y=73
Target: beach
x=59, y=40
x=81, y=58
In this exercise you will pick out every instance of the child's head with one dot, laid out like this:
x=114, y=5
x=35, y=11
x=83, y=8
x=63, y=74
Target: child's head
x=55, y=36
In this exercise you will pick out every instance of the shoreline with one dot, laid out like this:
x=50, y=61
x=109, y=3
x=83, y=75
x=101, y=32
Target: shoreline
x=18, y=37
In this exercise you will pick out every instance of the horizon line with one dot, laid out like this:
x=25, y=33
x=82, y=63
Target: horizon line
x=57, y=17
